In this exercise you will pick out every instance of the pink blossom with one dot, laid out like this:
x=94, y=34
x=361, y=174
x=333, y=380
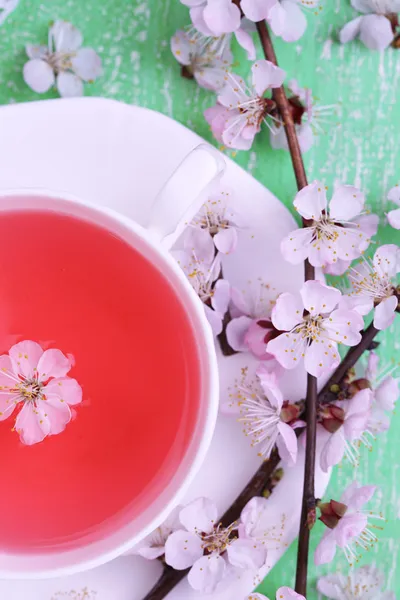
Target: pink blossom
x=307, y=116
x=213, y=292
x=205, y=59
x=352, y=531
x=353, y=432
x=338, y=232
x=282, y=593
x=63, y=62
x=394, y=215
x=250, y=328
x=36, y=379
x=241, y=110
x=313, y=336
x=286, y=18
x=375, y=29
x=385, y=392
x=258, y=405
x=374, y=285
x=214, y=228
x=208, y=548
x=153, y=546
x=214, y=18
x=365, y=582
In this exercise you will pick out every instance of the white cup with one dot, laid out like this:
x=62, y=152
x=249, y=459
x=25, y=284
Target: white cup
x=178, y=201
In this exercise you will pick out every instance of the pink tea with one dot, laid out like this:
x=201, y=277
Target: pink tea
x=72, y=285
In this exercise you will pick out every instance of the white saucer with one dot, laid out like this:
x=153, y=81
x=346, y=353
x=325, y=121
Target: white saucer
x=120, y=156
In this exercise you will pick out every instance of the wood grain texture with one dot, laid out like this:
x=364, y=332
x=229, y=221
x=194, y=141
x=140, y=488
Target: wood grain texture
x=360, y=146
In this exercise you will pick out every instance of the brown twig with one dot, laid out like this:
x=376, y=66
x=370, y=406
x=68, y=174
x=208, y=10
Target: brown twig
x=308, y=503
x=327, y=394
x=170, y=578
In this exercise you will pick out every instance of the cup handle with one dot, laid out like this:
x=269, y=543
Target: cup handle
x=184, y=193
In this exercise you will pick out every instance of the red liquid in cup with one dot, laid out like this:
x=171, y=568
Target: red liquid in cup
x=74, y=286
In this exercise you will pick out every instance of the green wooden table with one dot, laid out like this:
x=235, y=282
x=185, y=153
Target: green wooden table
x=360, y=146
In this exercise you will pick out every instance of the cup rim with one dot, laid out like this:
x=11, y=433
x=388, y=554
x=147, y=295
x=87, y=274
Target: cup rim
x=70, y=561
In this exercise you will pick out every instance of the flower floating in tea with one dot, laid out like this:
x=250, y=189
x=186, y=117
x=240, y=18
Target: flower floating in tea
x=36, y=381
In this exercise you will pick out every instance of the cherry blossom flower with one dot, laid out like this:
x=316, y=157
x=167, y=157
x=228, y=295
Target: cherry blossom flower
x=394, y=215
x=213, y=292
x=339, y=231
x=287, y=19
x=203, y=58
x=377, y=27
x=307, y=116
x=237, y=117
x=63, y=62
x=374, y=285
x=282, y=593
x=260, y=407
x=153, y=546
x=364, y=583
x=250, y=328
x=314, y=335
x=208, y=548
x=214, y=228
x=214, y=18
x=348, y=431
x=351, y=530
x=36, y=379
x=6, y=8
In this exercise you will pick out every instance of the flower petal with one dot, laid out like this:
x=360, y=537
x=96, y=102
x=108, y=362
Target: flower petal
x=217, y=117
x=182, y=549
x=385, y=313
x=65, y=36
x=199, y=515
x=332, y=586
x=207, y=572
x=386, y=260
x=288, y=349
x=87, y=64
x=247, y=553
x=34, y=51
x=287, y=443
x=376, y=32
x=372, y=366
x=200, y=244
x=356, y=496
x=393, y=217
x=394, y=194
x=368, y=223
x=69, y=85
x=245, y=40
x=287, y=312
x=286, y=593
x=319, y=298
x=269, y=383
x=347, y=202
x=321, y=357
x=311, y=200
x=63, y=390
x=31, y=425
x=53, y=363
x=344, y=326
x=295, y=247
x=326, y=549
x=266, y=76
x=221, y=16
x=350, y=31
x=214, y=318
x=25, y=357
x=305, y=136
x=349, y=527
x=236, y=331
x=257, y=10
x=221, y=297
x=387, y=393
x=295, y=22
x=197, y=17
x=58, y=414
x=333, y=450
x=181, y=47
x=39, y=75
x=226, y=240
x=257, y=337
